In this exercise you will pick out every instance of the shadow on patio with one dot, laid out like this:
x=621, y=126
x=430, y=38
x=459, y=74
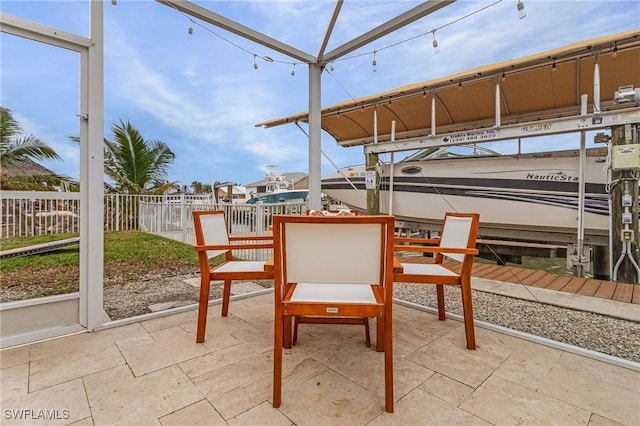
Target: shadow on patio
x=153, y=372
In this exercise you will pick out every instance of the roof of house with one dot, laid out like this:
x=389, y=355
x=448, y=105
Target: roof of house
x=25, y=167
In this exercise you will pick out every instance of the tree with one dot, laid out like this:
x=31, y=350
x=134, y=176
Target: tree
x=136, y=165
x=201, y=188
x=17, y=151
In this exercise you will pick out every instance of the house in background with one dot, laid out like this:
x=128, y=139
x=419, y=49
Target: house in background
x=239, y=193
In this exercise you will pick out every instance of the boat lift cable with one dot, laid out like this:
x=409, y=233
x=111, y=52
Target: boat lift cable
x=334, y=165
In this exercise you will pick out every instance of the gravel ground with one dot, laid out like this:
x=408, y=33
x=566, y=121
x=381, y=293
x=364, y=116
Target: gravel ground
x=611, y=336
x=600, y=333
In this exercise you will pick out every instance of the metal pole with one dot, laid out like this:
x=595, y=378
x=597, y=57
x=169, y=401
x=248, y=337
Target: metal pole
x=315, y=122
x=392, y=167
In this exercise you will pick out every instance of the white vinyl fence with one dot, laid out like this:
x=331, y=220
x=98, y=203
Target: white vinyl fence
x=27, y=213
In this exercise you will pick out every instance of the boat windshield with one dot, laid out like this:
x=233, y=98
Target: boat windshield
x=453, y=151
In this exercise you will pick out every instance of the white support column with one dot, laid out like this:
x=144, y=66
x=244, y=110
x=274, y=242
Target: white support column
x=596, y=86
x=433, y=114
x=91, y=178
x=392, y=167
x=498, y=112
x=315, y=110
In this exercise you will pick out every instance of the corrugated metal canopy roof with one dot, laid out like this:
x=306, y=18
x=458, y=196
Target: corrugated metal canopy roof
x=541, y=86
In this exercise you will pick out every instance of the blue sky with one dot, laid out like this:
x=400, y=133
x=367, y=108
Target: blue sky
x=202, y=96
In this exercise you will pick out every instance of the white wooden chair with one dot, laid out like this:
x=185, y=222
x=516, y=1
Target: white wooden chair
x=213, y=240
x=458, y=242
x=333, y=267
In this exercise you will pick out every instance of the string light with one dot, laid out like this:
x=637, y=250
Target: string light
x=504, y=76
x=553, y=67
x=460, y=85
x=615, y=49
x=436, y=49
x=521, y=12
x=293, y=71
x=331, y=68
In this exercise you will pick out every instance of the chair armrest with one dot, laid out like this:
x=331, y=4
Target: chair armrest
x=424, y=249
x=251, y=238
x=413, y=240
x=234, y=247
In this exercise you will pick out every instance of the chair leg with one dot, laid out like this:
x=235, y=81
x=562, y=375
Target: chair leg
x=277, y=359
x=440, y=297
x=366, y=332
x=467, y=311
x=388, y=362
x=202, y=309
x=295, y=329
x=226, y=294
x=286, y=330
x=379, y=334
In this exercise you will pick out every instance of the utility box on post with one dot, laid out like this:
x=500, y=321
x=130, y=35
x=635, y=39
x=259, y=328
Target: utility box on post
x=625, y=157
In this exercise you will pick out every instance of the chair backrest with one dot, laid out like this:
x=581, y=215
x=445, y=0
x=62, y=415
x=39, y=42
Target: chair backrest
x=211, y=230
x=460, y=230
x=344, y=249
x=341, y=212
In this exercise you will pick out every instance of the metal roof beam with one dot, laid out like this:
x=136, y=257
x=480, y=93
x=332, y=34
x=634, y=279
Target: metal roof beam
x=234, y=27
x=398, y=22
x=327, y=34
x=556, y=126
x=33, y=31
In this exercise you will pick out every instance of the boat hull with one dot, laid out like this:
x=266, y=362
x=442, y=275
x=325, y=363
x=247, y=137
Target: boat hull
x=529, y=192
x=293, y=196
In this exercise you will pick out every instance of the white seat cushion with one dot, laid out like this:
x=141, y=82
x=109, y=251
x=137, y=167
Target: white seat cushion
x=241, y=266
x=333, y=293
x=427, y=269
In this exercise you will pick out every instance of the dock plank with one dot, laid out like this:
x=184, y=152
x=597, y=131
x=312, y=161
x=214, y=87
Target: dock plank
x=606, y=290
x=559, y=282
x=623, y=292
x=590, y=287
x=574, y=285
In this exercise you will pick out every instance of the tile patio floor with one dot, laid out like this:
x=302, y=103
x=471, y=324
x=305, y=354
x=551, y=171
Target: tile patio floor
x=153, y=373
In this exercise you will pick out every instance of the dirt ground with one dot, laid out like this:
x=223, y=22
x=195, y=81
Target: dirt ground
x=123, y=297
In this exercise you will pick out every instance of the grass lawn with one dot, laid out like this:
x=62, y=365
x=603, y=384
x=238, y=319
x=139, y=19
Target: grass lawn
x=128, y=256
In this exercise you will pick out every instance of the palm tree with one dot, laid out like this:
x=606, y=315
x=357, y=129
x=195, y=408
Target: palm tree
x=15, y=147
x=136, y=165
x=17, y=152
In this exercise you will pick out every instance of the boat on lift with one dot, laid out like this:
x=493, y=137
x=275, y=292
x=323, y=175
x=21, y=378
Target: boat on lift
x=277, y=189
x=532, y=191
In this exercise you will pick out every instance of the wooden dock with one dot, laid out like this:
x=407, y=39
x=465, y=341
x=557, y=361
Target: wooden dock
x=611, y=290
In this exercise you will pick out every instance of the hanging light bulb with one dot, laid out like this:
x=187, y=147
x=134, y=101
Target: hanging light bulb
x=255, y=64
x=521, y=11
x=553, y=67
x=293, y=71
x=436, y=49
x=614, y=52
x=114, y=2
x=460, y=85
x=190, y=30
x=374, y=64
x=331, y=68
x=504, y=76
